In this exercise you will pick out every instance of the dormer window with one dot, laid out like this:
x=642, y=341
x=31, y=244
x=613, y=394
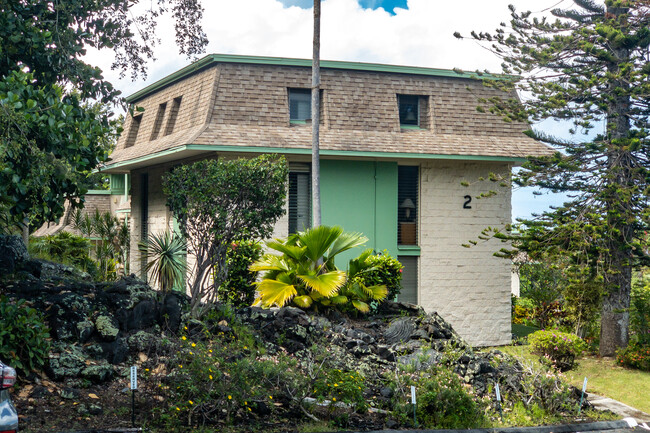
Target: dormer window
x=409, y=111
x=299, y=105
x=173, y=115
x=133, y=130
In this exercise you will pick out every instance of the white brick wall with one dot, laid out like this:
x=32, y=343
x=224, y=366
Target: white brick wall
x=469, y=287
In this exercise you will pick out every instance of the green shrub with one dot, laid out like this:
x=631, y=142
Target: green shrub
x=635, y=355
x=443, y=402
x=24, y=337
x=239, y=288
x=561, y=348
x=640, y=314
x=341, y=386
x=387, y=271
x=64, y=248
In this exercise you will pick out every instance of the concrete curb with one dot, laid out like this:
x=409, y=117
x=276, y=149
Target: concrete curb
x=563, y=428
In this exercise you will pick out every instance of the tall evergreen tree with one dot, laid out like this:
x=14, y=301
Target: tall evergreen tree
x=588, y=65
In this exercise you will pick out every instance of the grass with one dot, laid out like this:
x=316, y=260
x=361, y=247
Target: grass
x=604, y=378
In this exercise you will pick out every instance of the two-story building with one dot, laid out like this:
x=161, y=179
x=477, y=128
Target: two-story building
x=396, y=144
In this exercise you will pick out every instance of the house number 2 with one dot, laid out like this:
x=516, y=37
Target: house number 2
x=468, y=200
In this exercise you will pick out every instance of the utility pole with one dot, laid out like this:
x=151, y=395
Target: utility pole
x=315, y=119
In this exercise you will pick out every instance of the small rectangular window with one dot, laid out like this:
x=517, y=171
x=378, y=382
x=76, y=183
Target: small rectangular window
x=299, y=105
x=160, y=116
x=133, y=130
x=409, y=111
x=407, y=205
x=173, y=114
x=409, y=292
x=299, y=198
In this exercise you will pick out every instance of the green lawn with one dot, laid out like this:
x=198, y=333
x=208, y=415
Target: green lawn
x=603, y=378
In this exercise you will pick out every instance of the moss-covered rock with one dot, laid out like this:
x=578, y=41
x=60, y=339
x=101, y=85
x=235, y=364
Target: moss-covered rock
x=107, y=327
x=98, y=373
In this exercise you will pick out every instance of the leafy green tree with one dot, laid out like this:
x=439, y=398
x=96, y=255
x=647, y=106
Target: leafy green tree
x=588, y=66
x=220, y=202
x=51, y=136
x=49, y=144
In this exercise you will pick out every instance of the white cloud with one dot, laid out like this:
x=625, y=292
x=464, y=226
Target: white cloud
x=421, y=35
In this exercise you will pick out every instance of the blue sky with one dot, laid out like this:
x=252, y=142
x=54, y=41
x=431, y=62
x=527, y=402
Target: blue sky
x=387, y=5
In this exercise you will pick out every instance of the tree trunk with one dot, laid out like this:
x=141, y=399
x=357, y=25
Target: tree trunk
x=618, y=197
x=25, y=231
x=315, y=119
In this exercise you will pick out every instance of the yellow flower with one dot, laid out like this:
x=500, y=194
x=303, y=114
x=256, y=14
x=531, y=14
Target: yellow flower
x=191, y=353
x=230, y=397
x=146, y=369
x=178, y=408
x=180, y=365
x=336, y=384
x=246, y=403
x=191, y=402
x=210, y=350
x=211, y=379
x=245, y=347
x=193, y=344
x=333, y=398
x=183, y=338
x=271, y=397
x=185, y=328
x=249, y=409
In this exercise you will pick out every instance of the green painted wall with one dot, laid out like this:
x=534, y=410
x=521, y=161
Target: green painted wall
x=361, y=196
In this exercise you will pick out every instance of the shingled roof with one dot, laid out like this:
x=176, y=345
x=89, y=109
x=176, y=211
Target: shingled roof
x=240, y=104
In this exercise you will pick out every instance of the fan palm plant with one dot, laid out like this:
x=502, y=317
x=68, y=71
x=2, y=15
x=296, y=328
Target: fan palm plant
x=305, y=271
x=165, y=254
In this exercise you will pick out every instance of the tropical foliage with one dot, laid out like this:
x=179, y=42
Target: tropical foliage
x=305, y=272
x=165, y=257
x=111, y=240
x=66, y=248
x=220, y=202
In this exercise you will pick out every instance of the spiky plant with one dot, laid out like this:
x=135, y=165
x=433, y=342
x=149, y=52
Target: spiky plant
x=165, y=254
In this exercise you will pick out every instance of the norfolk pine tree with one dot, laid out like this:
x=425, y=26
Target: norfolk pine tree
x=588, y=66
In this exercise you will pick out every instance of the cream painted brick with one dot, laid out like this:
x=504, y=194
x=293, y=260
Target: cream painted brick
x=468, y=287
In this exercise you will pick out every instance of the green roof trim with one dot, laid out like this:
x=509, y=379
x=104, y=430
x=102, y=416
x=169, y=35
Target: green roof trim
x=305, y=151
x=214, y=59
x=98, y=192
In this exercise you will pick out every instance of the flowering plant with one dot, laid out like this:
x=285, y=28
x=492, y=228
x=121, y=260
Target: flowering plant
x=561, y=348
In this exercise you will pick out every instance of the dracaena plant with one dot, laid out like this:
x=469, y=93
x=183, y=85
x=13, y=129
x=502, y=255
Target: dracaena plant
x=304, y=272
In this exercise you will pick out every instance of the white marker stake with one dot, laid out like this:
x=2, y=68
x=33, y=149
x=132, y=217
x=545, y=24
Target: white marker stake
x=499, y=400
x=414, y=403
x=134, y=377
x=582, y=396
x=134, y=388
